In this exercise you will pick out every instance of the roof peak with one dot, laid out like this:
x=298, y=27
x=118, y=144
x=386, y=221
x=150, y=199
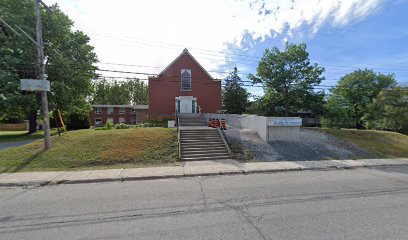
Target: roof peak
x=185, y=50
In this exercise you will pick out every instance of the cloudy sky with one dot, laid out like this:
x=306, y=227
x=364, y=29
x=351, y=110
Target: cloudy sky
x=341, y=35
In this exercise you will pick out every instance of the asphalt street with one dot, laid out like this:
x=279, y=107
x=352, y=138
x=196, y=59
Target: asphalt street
x=337, y=204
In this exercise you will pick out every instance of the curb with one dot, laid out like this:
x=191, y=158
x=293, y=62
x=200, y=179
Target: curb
x=243, y=172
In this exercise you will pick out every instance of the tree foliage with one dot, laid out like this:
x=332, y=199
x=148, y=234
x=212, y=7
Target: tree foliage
x=133, y=91
x=235, y=97
x=389, y=111
x=289, y=78
x=69, y=63
x=349, y=100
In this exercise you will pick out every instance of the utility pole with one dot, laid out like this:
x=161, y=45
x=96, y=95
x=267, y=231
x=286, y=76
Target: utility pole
x=41, y=76
x=41, y=69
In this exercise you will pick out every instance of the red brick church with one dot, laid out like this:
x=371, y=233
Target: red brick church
x=184, y=86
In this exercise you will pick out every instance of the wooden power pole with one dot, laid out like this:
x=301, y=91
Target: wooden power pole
x=41, y=76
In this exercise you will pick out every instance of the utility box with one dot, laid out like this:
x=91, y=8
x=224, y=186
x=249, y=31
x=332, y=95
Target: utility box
x=171, y=124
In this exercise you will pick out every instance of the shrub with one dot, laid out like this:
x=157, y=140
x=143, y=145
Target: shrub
x=121, y=126
x=76, y=121
x=109, y=125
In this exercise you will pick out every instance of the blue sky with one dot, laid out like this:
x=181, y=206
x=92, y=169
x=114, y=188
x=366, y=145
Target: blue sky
x=378, y=42
x=341, y=35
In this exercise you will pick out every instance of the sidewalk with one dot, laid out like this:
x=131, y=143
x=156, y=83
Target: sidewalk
x=186, y=169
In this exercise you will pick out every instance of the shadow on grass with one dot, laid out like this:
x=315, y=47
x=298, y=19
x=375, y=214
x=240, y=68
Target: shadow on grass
x=24, y=164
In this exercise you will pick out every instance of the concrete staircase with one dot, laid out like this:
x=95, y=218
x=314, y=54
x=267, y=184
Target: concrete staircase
x=202, y=144
x=191, y=119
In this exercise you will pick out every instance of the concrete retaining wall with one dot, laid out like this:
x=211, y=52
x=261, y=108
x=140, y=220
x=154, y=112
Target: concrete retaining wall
x=262, y=125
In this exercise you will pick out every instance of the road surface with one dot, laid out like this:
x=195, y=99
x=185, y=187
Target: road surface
x=344, y=204
x=4, y=145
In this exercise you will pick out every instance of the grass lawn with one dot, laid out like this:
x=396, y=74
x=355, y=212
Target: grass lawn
x=95, y=149
x=384, y=144
x=16, y=136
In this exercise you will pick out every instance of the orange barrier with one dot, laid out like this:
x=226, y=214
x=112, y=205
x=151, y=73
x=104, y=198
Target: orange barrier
x=213, y=125
x=217, y=123
x=223, y=126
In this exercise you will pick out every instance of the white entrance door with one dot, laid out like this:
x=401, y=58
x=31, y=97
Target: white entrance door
x=186, y=104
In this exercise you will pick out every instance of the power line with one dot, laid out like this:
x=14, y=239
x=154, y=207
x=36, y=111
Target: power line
x=132, y=72
x=144, y=42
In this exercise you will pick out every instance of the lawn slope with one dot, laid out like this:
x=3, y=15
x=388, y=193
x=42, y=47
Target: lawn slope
x=384, y=144
x=92, y=149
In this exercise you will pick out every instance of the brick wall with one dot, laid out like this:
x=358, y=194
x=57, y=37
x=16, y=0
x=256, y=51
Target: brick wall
x=129, y=116
x=164, y=89
x=14, y=126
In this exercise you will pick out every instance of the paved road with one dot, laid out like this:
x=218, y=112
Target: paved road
x=5, y=145
x=345, y=204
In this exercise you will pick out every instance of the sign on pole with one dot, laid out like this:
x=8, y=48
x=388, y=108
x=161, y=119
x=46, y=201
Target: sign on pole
x=35, y=85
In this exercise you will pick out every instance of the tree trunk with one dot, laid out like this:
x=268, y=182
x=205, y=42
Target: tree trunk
x=32, y=120
x=32, y=114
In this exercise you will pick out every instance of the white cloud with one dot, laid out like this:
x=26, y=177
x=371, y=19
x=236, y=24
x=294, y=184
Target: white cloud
x=139, y=32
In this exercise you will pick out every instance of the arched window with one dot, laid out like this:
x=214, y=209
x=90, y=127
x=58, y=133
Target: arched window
x=185, y=79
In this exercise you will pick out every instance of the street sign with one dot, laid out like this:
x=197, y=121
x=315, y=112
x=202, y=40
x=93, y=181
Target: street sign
x=35, y=85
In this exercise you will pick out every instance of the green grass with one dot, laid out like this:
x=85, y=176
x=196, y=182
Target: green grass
x=17, y=136
x=91, y=149
x=240, y=154
x=384, y=144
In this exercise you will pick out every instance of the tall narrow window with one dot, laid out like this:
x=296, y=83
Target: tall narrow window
x=185, y=79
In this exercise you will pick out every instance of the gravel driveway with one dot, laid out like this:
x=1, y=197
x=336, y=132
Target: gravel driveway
x=313, y=145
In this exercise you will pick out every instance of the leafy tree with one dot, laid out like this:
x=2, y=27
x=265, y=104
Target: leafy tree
x=389, y=111
x=133, y=91
x=69, y=62
x=14, y=51
x=289, y=78
x=352, y=95
x=235, y=97
x=138, y=91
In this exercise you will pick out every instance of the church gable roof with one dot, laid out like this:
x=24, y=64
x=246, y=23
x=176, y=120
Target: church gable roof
x=185, y=52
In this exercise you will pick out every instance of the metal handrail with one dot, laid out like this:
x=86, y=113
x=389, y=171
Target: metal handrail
x=178, y=135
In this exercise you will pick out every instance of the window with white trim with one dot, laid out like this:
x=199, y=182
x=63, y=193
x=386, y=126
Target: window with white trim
x=110, y=110
x=98, y=121
x=109, y=120
x=98, y=110
x=122, y=110
x=185, y=79
x=121, y=120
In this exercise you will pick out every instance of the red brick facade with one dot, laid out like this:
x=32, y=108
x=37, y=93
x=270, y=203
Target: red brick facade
x=128, y=114
x=164, y=88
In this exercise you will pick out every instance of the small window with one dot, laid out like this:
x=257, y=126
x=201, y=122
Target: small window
x=121, y=120
x=98, y=121
x=109, y=120
x=98, y=110
x=110, y=110
x=185, y=79
x=122, y=110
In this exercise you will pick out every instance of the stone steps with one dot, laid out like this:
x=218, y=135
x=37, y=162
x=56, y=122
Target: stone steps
x=202, y=144
x=192, y=122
